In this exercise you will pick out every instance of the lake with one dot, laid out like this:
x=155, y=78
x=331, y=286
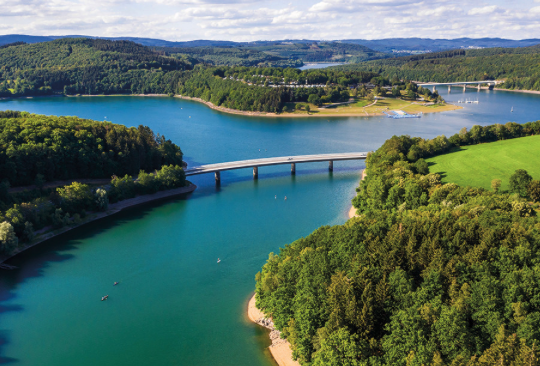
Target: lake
x=321, y=65
x=175, y=305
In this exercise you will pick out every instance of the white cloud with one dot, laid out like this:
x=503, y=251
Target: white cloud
x=247, y=20
x=483, y=10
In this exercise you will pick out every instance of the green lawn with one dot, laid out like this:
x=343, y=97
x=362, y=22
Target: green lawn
x=478, y=165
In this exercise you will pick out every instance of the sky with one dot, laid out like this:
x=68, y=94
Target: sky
x=251, y=20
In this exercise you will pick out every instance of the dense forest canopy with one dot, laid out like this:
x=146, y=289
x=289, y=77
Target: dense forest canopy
x=87, y=66
x=429, y=274
x=71, y=147
x=520, y=67
x=243, y=88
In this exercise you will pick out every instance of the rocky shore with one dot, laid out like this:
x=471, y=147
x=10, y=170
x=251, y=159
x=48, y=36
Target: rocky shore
x=280, y=348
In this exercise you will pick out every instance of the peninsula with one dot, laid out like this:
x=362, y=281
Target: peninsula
x=418, y=260
x=46, y=158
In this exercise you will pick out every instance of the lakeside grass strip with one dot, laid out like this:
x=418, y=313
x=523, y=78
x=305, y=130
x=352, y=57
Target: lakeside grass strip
x=478, y=165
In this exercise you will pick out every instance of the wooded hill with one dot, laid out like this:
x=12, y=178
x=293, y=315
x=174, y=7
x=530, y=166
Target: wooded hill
x=61, y=148
x=86, y=66
x=231, y=56
x=520, y=67
x=429, y=274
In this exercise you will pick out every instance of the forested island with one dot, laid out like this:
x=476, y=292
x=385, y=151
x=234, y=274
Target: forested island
x=428, y=274
x=518, y=67
x=36, y=149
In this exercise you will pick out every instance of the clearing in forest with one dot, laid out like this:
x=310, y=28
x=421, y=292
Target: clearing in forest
x=478, y=165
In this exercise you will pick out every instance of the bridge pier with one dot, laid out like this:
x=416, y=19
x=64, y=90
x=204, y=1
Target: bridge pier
x=464, y=88
x=331, y=165
x=449, y=89
x=434, y=88
x=255, y=172
x=218, y=177
x=293, y=169
x=479, y=87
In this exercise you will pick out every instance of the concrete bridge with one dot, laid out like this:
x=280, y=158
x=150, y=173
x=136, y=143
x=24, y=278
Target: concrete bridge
x=490, y=83
x=256, y=163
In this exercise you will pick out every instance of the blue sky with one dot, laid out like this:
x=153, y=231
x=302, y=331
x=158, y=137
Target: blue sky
x=250, y=20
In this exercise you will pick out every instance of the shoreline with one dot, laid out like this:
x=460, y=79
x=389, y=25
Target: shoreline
x=280, y=348
x=291, y=115
x=114, y=208
x=352, y=210
x=226, y=110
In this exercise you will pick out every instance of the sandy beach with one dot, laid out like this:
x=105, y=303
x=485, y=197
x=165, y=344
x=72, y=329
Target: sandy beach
x=280, y=348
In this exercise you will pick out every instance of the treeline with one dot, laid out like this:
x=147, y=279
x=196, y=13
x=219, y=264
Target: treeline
x=229, y=86
x=68, y=205
x=429, y=274
x=86, y=66
x=231, y=56
x=320, y=51
x=60, y=148
x=520, y=67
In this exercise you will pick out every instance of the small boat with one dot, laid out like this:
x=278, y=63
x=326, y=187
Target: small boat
x=116, y=283
x=218, y=260
x=511, y=110
x=104, y=297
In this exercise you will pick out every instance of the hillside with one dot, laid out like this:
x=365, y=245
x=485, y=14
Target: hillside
x=520, y=67
x=321, y=51
x=86, y=66
x=230, y=56
x=387, y=45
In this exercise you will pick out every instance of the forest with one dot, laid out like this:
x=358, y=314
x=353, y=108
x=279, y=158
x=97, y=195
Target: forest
x=60, y=148
x=231, y=56
x=35, y=149
x=86, y=66
x=242, y=88
x=429, y=274
x=519, y=67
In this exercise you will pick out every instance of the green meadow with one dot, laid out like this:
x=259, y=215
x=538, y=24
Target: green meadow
x=478, y=165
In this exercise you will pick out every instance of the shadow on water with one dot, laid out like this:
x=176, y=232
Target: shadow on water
x=34, y=261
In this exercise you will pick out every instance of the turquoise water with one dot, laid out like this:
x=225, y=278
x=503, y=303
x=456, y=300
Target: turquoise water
x=175, y=305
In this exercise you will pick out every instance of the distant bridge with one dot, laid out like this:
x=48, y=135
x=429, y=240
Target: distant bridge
x=256, y=163
x=490, y=83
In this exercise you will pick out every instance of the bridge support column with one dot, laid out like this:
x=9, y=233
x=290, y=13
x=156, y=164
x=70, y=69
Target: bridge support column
x=449, y=89
x=293, y=169
x=434, y=88
x=218, y=177
x=464, y=88
x=479, y=87
x=331, y=166
x=255, y=172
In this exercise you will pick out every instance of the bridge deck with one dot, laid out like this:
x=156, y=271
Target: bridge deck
x=211, y=168
x=460, y=83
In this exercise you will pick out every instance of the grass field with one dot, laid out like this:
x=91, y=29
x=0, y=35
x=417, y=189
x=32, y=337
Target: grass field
x=359, y=108
x=478, y=165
